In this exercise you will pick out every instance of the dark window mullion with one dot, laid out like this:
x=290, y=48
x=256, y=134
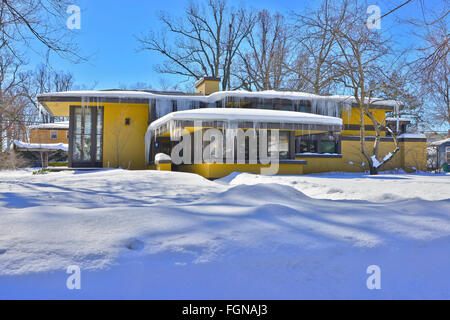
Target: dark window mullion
x=93, y=135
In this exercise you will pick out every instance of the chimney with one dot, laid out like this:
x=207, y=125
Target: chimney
x=207, y=85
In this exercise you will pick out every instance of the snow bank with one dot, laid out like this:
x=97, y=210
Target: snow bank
x=162, y=235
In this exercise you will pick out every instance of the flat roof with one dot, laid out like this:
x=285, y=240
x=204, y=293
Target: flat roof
x=246, y=115
x=51, y=125
x=41, y=146
x=71, y=96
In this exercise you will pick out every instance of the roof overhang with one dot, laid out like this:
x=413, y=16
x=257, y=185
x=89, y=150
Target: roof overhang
x=58, y=103
x=245, y=118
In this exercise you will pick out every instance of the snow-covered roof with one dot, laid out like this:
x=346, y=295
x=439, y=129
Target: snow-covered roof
x=440, y=142
x=247, y=115
x=217, y=96
x=412, y=136
x=398, y=119
x=53, y=125
x=46, y=146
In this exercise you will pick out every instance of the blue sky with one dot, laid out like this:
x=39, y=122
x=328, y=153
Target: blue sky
x=108, y=30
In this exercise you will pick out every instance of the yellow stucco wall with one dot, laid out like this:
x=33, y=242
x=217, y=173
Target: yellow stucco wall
x=412, y=155
x=219, y=170
x=353, y=118
x=43, y=136
x=164, y=167
x=124, y=145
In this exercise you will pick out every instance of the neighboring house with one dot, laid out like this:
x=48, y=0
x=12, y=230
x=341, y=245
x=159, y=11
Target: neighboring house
x=317, y=133
x=49, y=133
x=398, y=125
x=441, y=151
x=45, y=141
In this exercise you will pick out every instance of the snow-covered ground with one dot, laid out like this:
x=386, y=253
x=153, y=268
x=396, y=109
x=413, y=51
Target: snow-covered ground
x=151, y=234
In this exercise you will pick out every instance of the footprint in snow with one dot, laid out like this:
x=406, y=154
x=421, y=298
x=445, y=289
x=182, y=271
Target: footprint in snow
x=134, y=244
x=334, y=190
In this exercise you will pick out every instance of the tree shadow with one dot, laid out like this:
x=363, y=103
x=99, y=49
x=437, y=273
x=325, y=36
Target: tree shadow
x=16, y=201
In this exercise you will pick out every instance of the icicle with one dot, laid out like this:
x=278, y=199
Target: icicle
x=398, y=117
x=163, y=106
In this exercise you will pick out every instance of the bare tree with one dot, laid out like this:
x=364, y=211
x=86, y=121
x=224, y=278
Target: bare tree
x=11, y=108
x=42, y=80
x=24, y=21
x=202, y=43
x=365, y=57
x=315, y=45
x=263, y=58
x=433, y=72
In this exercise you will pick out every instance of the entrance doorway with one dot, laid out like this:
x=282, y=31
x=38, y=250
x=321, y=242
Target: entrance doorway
x=86, y=136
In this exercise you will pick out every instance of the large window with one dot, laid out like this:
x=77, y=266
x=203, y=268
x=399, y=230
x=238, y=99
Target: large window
x=249, y=146
x=325, y=143
x=86, y=142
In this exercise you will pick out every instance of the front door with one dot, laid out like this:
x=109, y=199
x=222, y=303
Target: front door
x=86, y=136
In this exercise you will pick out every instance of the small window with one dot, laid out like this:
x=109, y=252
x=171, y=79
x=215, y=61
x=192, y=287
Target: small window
x=53, y=134
x=67, y=134
x=127, y=121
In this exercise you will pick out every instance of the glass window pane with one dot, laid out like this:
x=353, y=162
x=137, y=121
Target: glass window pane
x=87, y=121
x=99, y=120
x=86, y=148
x=77, y=121
x=281, y=145
x=98, y=156
x=287, y=108
x=328, y=147
x=284, y=145
x=262, y=106
x=77, y=147
x=304, y=109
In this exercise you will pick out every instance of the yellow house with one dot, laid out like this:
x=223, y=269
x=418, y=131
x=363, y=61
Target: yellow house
x=119, y=128
x=48, y=133
x=45, y=140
